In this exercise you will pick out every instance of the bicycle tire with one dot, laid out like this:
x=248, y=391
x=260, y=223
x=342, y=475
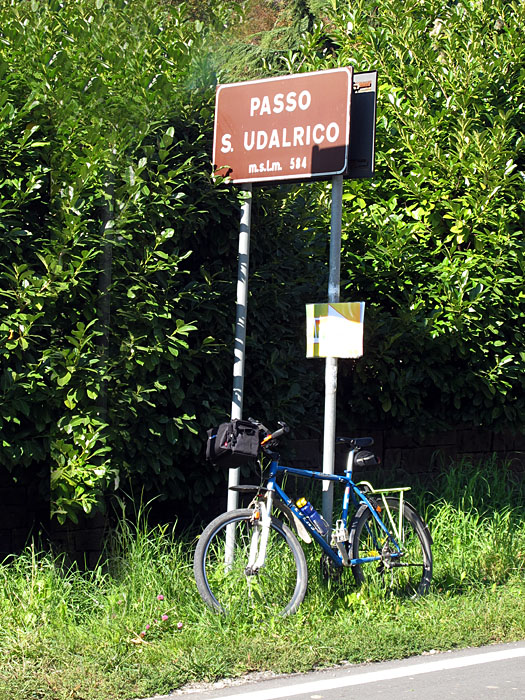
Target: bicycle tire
x=279, y=586
x=411, y=574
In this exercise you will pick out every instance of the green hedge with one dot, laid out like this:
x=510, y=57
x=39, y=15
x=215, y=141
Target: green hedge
x=434, y=242
x=437, y=249
x=118, y=253
x=106, y=115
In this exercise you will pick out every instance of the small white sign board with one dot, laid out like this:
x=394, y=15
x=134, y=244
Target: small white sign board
x=335, y=329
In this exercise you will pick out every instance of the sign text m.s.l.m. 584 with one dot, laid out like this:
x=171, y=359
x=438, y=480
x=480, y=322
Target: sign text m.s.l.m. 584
x=294, y=127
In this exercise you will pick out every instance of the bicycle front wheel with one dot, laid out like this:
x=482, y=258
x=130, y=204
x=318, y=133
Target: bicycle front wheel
x=226, y=584
x=407, y=573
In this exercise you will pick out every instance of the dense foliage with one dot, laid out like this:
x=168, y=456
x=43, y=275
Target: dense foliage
x=434, y=243
x=438, y=248
x=102, y=131
x=118, y=253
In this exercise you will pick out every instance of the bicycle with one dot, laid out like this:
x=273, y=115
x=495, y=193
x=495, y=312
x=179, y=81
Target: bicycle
x=249, y=555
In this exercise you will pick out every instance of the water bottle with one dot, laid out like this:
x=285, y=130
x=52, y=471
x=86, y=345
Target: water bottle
x=313, y=516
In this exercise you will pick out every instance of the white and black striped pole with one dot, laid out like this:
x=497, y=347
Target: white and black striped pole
x=239, y=352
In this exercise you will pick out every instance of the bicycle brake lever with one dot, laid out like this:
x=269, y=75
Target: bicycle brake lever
x=259, y=424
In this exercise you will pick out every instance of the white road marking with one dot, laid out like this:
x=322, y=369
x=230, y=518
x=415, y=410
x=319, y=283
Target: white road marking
x=376, y=676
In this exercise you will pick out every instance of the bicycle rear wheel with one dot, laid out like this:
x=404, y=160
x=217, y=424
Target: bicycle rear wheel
x=224, y=584
x=407, y=574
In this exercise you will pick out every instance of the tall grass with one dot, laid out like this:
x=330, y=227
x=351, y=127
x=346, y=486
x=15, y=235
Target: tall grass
x=478, y=526
x=135, y=625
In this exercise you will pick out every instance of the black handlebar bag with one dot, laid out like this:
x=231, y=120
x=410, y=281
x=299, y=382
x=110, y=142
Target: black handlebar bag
x=234, y=443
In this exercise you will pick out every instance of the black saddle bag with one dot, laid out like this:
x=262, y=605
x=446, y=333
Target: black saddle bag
x=364, y=458
x=234, y=443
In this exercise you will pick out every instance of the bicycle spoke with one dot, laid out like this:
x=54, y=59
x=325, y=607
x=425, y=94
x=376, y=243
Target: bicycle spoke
x=278, y=586
x=404, y=573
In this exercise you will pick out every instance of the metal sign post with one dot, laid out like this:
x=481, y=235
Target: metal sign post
x=240, y=345
x=330, y=397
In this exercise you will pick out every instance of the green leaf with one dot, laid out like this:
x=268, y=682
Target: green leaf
x=386, y=404
x=62, y=381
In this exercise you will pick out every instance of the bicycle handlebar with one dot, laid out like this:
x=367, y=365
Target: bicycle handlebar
x=276, y=434
x=359, y=442
x=270, y=436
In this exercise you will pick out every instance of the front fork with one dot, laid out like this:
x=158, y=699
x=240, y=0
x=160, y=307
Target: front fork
x=261, y=520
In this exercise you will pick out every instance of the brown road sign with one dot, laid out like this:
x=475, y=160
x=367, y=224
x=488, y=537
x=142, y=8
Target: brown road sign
x=295, y=127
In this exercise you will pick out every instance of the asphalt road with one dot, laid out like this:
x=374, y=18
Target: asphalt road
x=489, y=673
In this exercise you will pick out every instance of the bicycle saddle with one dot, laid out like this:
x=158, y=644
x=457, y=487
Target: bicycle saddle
x=354, y=442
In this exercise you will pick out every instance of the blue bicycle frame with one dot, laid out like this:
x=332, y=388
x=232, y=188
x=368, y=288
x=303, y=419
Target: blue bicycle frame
x=351, y=492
